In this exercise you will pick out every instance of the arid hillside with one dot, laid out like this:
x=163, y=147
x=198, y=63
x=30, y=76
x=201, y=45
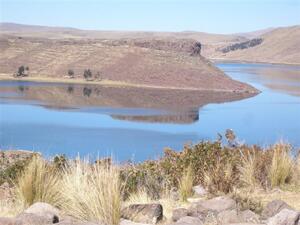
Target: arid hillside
x=151, y=63
x=281, y=45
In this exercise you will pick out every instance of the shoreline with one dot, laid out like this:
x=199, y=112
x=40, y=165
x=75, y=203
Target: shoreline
x=224, y=60
x=111, y=83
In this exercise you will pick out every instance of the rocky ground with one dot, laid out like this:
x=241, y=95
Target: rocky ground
x=218, y=210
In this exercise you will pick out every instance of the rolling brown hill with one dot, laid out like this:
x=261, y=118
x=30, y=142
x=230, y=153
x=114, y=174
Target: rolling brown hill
x=152, y=63
x=281, y=45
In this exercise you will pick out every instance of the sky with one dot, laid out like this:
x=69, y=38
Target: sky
x=213, y=16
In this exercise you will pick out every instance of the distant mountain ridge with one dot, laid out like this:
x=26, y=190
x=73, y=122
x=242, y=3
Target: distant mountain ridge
x=280, y=45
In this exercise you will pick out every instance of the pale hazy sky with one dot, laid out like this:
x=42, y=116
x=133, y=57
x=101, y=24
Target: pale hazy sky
x=215, y=16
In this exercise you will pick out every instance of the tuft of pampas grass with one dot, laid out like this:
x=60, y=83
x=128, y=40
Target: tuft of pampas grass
x=92, y=192
x=282, y=165
x=38, y=183
x=186, y=184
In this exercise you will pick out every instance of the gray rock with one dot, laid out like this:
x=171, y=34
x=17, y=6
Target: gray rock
x=274, y=207
x=219, y=204
x=188, y=220
x=228, y=216
x=143, y=213
x=32, y=219
x=247, y=216
x=44, y=210
x=199, y=190
x=285, y=217
x=197, y=210
x=179, y=213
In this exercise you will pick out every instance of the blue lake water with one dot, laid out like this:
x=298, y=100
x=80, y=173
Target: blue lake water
x=140, y=133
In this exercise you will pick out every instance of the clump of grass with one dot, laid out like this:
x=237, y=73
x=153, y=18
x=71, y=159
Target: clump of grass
x=139, y=197
x=247, y=169
x=92, y=192
x=38, y=183
x=186, y=184
x=282, y=165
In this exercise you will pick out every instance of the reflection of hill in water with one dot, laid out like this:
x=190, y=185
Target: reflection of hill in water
x=173, y=117
x=179, y=106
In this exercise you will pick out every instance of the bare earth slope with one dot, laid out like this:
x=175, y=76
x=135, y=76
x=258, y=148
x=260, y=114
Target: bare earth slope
x=281, y=45
x=130, y=62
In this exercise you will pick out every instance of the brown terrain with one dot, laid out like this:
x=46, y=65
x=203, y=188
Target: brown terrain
x=281, y=45
x=164, y=62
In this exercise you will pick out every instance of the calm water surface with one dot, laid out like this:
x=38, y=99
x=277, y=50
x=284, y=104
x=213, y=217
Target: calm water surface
x=58, y=126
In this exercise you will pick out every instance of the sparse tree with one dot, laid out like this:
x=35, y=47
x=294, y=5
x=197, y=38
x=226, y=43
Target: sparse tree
x=71, y=73
x=21, y=71
x=87, y=74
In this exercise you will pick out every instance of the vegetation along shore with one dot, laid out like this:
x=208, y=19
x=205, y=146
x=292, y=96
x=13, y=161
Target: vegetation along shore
x=211, y=182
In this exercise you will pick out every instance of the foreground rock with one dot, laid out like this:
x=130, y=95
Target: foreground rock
x=285, y=217
x=143, y=213
x=44, y=210
x=189, y=220
x=274, y=207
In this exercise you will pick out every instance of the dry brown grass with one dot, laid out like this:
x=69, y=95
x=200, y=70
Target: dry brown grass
x=92, y=192
x=247, y=170
x=38, y=183
x=282, y=165
x=186, y=184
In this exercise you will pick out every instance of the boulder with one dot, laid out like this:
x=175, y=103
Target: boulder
x=247, y=216
x=197, y=210
x=218, y=204
x=179, y=213
x=274, y=207
x=143, y=213
x=285, y=217
x=228, y=216
x=44, y=210
x=188, y=220
x=7, y=221
x=199, y=191
x=32, y=219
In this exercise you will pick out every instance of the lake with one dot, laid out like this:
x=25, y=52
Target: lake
x=135, y=124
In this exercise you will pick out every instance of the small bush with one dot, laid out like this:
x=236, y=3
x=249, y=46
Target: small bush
x=186, y=184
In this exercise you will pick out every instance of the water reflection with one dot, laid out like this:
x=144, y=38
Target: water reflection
x=172, y=106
